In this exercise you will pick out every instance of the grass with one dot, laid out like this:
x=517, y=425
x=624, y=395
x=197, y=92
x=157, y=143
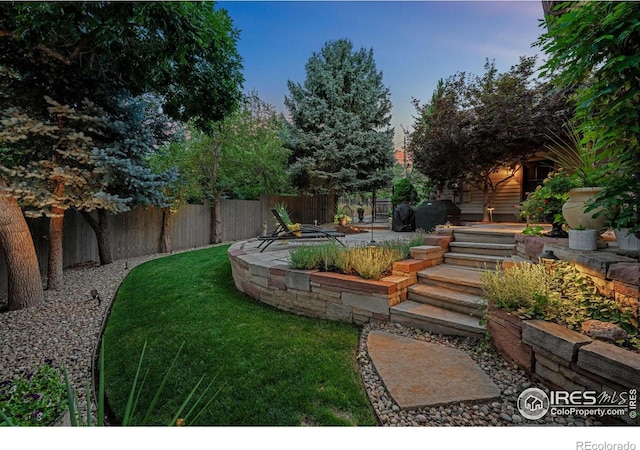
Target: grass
x=274, y=368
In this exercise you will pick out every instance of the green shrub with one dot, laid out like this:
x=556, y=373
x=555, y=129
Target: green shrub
x=366, y=261
x=309, y=257
x=404, y=190
x=33, y=398
x=560, y=293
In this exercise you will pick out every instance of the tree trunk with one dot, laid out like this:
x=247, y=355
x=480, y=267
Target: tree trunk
x=485, y=202
x=165, y=238
x=103, y=234
x=23, y=270
x=216, y=237
x=216, y=229
x=55, y=279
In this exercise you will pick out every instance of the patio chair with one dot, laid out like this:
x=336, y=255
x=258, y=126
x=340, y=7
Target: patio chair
x=286, y=231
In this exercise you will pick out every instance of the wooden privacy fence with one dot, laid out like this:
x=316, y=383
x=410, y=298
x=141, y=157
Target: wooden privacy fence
x=137, y=232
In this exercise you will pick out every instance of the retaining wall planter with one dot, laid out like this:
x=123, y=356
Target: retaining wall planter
x=327, y=295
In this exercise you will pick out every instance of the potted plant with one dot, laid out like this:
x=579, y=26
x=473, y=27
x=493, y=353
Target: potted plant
x=619, y=198
x=582, y=238
x=341, y=217
x=360, y=211
x=579, y=156
x=545, y=203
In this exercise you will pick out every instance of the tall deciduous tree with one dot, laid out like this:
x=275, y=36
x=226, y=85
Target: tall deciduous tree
x=243, y=158
x=340, y=133
x=100, y=50
x=477, y=125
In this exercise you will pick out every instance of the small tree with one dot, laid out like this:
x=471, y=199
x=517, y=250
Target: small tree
x=404, y=191
x=242, y=159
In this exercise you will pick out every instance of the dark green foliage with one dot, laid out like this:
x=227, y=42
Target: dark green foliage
x=595, y=47
x=340, y=132
x=277, y=368
x=404, y=191
x=125, y=159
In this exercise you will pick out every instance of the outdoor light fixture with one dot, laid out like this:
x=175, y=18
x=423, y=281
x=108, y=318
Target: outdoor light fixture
x=372, y=242
x=548, y=255
x=95, y=295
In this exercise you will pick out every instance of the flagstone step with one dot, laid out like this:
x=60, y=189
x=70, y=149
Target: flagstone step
x=463, y=279
x=454, y=300
x=480, y=262
x=494, y=237
x=436, y=320
x=482, y=248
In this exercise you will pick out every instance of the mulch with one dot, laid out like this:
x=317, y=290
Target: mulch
x=350, y=230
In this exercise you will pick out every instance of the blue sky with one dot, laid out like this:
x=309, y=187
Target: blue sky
x=415, y=43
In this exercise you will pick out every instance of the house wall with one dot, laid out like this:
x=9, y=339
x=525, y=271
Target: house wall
x=508, y=195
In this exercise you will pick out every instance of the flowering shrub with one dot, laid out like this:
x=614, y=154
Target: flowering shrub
x=545, y=203
x=34, y=399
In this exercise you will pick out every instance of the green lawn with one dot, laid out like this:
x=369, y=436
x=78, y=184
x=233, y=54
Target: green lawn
x=275, y=368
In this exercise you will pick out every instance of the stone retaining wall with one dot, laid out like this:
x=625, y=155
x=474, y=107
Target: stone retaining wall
x=567, y=360
x=328, y=295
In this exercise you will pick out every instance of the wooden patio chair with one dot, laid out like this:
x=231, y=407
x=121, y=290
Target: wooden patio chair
x=286, y=231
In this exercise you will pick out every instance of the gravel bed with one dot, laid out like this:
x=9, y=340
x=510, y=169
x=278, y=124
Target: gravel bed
x=66, y=327
x=507, y=376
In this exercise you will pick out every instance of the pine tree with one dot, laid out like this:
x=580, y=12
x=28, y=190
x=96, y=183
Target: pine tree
x=340, y=133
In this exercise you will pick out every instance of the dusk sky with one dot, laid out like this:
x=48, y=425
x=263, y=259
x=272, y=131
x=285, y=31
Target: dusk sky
x=415, y=43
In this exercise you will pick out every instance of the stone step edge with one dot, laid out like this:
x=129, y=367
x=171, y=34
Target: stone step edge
x=439, y=316
x=487, y=245
x=451, y=274
x=452, y=299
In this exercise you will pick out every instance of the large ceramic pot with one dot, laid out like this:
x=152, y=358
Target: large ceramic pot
x=573, y=209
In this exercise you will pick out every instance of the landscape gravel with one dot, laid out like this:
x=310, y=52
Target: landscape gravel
x=67, y=326
x=507, y=376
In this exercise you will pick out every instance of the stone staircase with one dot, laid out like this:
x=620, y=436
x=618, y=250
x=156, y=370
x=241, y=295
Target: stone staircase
x=447, y=298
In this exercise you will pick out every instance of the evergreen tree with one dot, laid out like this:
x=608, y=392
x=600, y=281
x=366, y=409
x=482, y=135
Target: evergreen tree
x=132, y=137
x=340, y=134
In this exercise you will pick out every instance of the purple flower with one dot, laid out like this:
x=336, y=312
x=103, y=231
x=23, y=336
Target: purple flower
x=37, y=414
